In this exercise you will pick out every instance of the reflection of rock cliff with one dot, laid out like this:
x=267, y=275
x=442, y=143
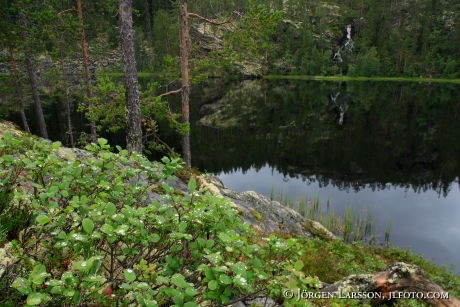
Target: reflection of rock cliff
x=221, y=113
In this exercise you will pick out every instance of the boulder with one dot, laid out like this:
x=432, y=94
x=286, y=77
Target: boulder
x=267, y=215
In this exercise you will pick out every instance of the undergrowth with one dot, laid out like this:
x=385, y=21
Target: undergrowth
x=108, y=229
x=99, y=235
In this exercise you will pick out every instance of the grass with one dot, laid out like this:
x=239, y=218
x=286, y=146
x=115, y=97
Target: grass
x=321, y=78
x=352, y=226
x=331, y=261
x=348, y=78
x=334, y=260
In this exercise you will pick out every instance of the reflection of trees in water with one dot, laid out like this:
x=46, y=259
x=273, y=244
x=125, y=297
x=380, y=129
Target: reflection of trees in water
x=403, y=135
x=441, y=186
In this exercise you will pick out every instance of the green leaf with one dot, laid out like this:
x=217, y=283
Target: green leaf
x=57, y=290
x=224, y=279
x=182, y=227
x=88, y=225
x=122, y=230
x=35, y=298
x=56, y=145
x=224, y=237
x=298, y=265
x=39, y=274
x=179, y=281
x=192, y=184
x=154, y=238
x=151, y=303
x=110, y=209
x=190, y=291
x=69, y=279
x=190, y=304
x=8, y=158
x=106, y=228
x=102, y=142
x=212, y=285
x=130, y=275
x=22, y=285
x=54, y=282
x=240, y=268
x=83, y=266
x=43, y=219
x=69, y=292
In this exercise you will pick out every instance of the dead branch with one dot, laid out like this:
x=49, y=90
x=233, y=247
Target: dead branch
x=66, y=11
x=170, y=93
x=399, y=280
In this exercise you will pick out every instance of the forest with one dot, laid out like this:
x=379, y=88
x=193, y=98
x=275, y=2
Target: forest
x=68, y=53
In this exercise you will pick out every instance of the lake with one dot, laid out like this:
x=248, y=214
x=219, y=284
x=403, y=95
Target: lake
x=391, y=149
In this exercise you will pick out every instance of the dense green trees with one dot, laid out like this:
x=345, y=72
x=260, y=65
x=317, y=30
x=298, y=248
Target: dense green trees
x=388, y=38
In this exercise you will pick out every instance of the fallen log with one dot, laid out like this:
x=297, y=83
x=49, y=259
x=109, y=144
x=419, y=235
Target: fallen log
x=399, y=280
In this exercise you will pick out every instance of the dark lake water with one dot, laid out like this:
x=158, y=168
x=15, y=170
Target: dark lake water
x=387, y=148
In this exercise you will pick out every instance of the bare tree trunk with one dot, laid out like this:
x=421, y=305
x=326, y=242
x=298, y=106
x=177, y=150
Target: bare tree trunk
x=38, y=104
x=184, y=63
x=148, y=21
x=68, y=102
x=34, y=82
x=68, y=105
x=19, y=94
x=133, y=112
x=89, y=91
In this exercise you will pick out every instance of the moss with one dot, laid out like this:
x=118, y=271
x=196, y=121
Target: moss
x=186, y=173
x=7, y=127
x=257, y=216
x=317, y=230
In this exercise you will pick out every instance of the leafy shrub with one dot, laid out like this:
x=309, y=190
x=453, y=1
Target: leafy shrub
x=110, y=230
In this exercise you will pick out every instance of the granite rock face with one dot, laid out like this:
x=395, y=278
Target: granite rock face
x=266, y=215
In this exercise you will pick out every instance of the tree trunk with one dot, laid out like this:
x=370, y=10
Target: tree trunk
x=399, y=280
x=19, y=94
x=68, y=102
x=37, y=102
x=184, y=63
x=133, y=111
x=148, y=21
x=89, y=91
x=34, y=82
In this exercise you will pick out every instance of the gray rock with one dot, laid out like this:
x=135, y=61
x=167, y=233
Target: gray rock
x=259, y=301
x=266, y=215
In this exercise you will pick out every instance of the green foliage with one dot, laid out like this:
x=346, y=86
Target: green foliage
x=366, y=65
x=108, y=109
x=166, y=33
x=316, y=62
x=254, y=38
x=99, y=234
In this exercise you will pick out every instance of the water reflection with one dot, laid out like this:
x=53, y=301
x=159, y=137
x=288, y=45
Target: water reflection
x=390, y=147
x=403, y=135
